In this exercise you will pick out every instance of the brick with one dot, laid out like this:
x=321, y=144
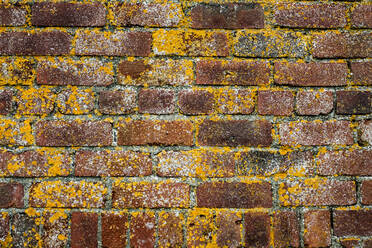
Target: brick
x=35, y=101
x=350, y=243
x=6, y=102
x=316, y=133
x=314, y=102
x=142, y=230
x=361, y=16
x=234, y=195
x=170, y=229
x=114, y=229
x=17, y=71
x=232, y=101
x=11, y=195
x=286, y=229
x=353, y=102
x=257, y=229
x=342, y=45
x=305, y=15
x=317, y=192
x=84, y=72
x=361, y=72
x=72, y=194
x=344, y=162
x=200, y=228
x=156, y=101
x=24, y=231
x=275, y=102
x=4, y=226
x=352, y=222
x=229, y=228
x=112, y=163
x=164, y=194
x=84, y=227
x=38, y=43
x=195, y=102
x=75, y=101
x=165, y=14
x=56, y=229
x=267, y=45
x=365, y=132
x=227, y=16
x=234, y=72
x=367, y=243
x=366, y=192
x=310, y=74
x=190, y=43
x=159, y=132
x=317, y=228
x=12, y=15
x=15, y=133
x=196, y=163
x=73, y=133
x=235, y=133
x=68, y=14
x=116, y=43
x=156, y=72
x=117, y=102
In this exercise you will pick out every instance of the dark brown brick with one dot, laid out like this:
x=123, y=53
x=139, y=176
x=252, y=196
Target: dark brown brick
x=366, y=192
x=114, y=229
x=142, y=229
x=17, y=71
x=352, y=222
x=194, y=102
x=275, y=102
x=11, y=195
x=170, y=229
x=24, y=231
x=234, y=195
x=350, y=243
x=6, y=102
x=84, y=227
x=257, y=229
x=318, y=228
x=12, y=15
x=156, y=101
x=114, y=102
x=286, y=229
x=314, y=102
x=367, y=243
x=353, y=102
x=56, y=228
x=229, y=228
x=361, y=16
x=4, y=226
x=361, y=72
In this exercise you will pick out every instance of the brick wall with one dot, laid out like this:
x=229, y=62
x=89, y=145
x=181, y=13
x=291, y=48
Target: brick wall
x=205, y=123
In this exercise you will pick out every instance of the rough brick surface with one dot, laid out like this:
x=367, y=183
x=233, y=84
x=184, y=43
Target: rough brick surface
x=114, y=229
x=365, y=132
x=286, y=229
x=6, y=102
x=142, y=228
x=12, y=15
x=56, y=228
x=314, y=102
x=196, y=102
x=170, y=229
x=153, y=101
x=257, y=226
x=11, y=195
x=352, y=222
x=353, y=102
x=275, y=102
x=318, y=226
x=361, y=72
x=361, y=16
x=84, y=228
x=117, y=102
x=366, y=192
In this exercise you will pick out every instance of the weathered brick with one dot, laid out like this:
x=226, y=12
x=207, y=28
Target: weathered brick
x=361, y=72
x=73, y=133
x=112, y=163
x=38, y=43
x=15, y=133
x=24, y=230
x=4, y=226
x=84, y=227
x=234, y=195
x=342, y=45
x=350, y=243
x=235, y=101
x=200, y=228
x=12, y=15
x=286, y=229
x=229, y=228
x=234, y=72
x=317, y=228
x=257, y=229
x=366, y=192
x=142, y=229
x=159, y=132
x=56, y=229
x=11, y=195
x=6, y=102
x=365, y=132
x=156, y=101
x=114, y=229
x=361, y=16
x=166, y=194
x=227, y=16
x=305, y=15
x=235, y=133
x=170, y=229
x=353, y=102
x=310, y=74
x=314, y=102
x=352, y=222
x=367, y=243
x=195, y=102
x=75, y=101
x=316, y=133
x=16, y=71
x=114, y=102
x=275, y=102
x=68, y=14
x=190, y=43
x=115, y=43
x=264, y=44
x=72, y=194
x=35, y=101
x=317, y=192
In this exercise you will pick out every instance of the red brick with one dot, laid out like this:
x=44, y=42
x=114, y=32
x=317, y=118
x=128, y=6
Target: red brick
x=6, y=102
x=235, y=133
x=201, y=228
x=15, y=133
x=227, y=16
x=257, y=229
x=286, y=229
x=17, y=71
x=195, y=102
x=4, y=226
x=353, y=102
x=73, y=133
x=148, y=132
x=344, y=162
x=170, y=229
x=11, y=195
x=24, y=231
x=142, y=230
x=68, y=14
x=361, y=16
x=365, y=132
x=342, y=45
x=310, y=74
x=366, y=192
x=38, y=43
x=235, y=101
x=156, y=101
x=235, y=72
x=76, y=101
x=84, y=227
x=316, y=133
x=35, y=101
x=350, y=243
x=114, y=102
x=116, y=43
x=234, y=195
x=114, y=229
x=12, y=15
x=112, y=163
x=367, y=243
x=352, y=222
x=361, y=72
x=304, y=15
x=165, y=194
x=275, y=102
x=56, y=229
x=317, y=192
x=314, y=102
x=317, y=228
x=229, y=228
